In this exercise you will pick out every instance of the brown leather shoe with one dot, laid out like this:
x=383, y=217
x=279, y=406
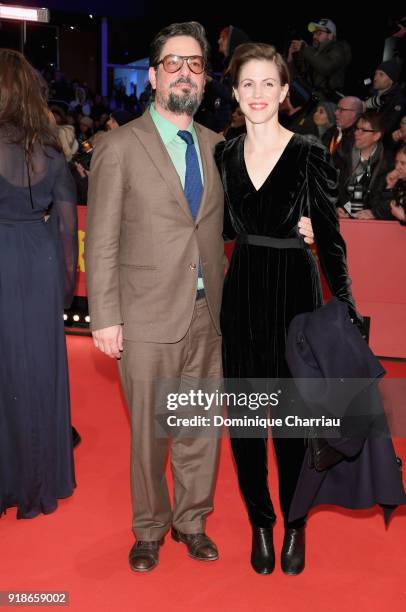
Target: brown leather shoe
x=199, y=545
x=144, y=556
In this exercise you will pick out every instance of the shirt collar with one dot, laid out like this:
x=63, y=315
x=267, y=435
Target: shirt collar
x=168, y=130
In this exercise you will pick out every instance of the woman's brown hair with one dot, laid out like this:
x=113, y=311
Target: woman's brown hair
x=23, y=104
x=257, y=51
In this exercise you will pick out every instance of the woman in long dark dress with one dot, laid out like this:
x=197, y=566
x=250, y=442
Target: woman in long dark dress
x=271, y=178
x=37, y=273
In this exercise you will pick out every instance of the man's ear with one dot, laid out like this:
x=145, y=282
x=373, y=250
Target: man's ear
x=378, y=136
x=152, y=77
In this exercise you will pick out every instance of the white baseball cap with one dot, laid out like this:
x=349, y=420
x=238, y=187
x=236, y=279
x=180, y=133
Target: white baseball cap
x=323, y=24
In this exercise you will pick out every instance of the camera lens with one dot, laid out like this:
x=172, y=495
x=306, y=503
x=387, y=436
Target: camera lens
x=358, y=193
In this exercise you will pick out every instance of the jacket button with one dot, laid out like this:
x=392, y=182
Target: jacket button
x=192, y=266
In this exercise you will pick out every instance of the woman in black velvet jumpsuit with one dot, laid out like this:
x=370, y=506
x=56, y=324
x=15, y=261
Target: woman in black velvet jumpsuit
x=272, y=178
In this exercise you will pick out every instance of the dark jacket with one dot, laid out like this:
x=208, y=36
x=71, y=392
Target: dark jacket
x=300, y=122
x=381, y=199
x=391, y=107
x=344, y=147
x=325, y=346
x=324, y=67
x=373, y=181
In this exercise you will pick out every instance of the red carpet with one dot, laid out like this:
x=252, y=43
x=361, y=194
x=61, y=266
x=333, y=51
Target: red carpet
x=352, y=561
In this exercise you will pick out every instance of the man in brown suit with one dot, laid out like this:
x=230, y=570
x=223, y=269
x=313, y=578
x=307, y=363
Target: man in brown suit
x=148, y=302
x=155, y=268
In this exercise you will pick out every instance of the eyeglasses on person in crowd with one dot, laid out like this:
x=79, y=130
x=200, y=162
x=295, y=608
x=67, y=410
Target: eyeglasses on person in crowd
x=361, y=129
x=173, y=63
x=340, y=109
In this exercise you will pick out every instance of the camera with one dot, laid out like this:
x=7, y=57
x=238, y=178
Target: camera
x=400, y=193
x=396, y=194
x=84, y=155
x=356, y=192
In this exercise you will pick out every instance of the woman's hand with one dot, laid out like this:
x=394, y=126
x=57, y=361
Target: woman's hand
x=306, y=229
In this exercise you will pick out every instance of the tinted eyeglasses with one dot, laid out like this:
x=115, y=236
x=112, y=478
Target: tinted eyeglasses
x=173, y=63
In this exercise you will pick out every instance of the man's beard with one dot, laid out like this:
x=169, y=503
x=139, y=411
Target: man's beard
x=181, y=105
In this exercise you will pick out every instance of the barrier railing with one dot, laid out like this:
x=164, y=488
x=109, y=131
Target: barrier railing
x=376, y=253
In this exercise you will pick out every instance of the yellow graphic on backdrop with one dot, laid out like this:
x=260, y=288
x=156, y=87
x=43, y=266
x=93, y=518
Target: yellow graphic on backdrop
x=81, y=254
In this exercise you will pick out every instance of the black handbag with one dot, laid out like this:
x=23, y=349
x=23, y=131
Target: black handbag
x=321, y=455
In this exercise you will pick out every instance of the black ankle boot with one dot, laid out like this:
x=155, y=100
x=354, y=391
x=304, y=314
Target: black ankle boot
x=293, y=551
x=262, y=553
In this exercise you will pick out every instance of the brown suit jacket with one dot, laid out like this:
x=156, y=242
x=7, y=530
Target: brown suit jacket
x=142, y=246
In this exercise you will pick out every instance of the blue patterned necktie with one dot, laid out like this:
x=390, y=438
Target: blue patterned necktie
x=193, y=181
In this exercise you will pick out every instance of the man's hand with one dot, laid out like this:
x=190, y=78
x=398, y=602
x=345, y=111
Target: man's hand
x=306, y=229
x=365, y=214
x=391, y=179
x=294, y=47
x=82, y=171
x=109, y=341
x=397, y=211
x=401, y=32
x=342, y=213
x=396, y=135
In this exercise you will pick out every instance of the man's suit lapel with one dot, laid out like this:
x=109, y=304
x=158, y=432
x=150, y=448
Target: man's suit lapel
x=149, y=137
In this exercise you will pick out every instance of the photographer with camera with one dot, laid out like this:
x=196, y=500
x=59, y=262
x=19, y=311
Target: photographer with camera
x=364, y=170
x=81, y=160
x=80, y=167
x=323, y=65
x=218, y=103
x=395, y=42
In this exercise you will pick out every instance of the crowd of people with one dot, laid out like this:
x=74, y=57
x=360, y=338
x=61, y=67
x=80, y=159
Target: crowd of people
x=364, y=136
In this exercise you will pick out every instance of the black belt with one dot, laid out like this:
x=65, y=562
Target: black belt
x=273, y=243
